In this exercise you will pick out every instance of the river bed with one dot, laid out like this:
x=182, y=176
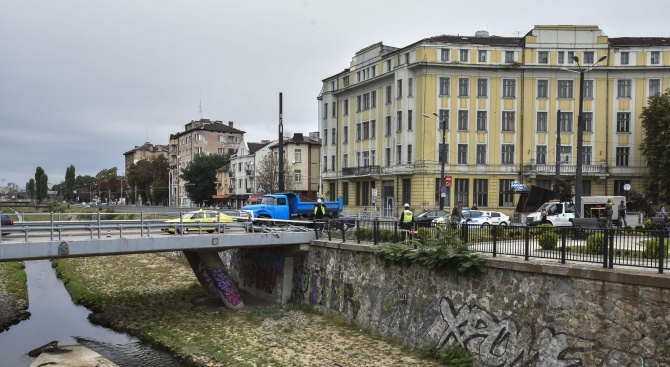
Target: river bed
x=55, y=317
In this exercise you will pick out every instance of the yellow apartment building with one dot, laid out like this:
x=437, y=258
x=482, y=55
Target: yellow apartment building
x=499, y=104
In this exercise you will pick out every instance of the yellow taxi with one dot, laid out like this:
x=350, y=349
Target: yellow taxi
x=198, y=216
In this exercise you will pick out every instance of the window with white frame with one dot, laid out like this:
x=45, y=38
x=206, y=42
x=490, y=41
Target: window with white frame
x=588, y=58
x=481, y=154
x=508, y=119
x=587, y=119
x=222, y=139
x=481, y=56
x=373, y=99
x=623, y=122
x=359, y=104
x=325, y=136
x=334, y=109
x=482, y=87
x=444, y=119
x=622, y=155
x=388, y=125
x=505, y=193
x=325, y=163
x=358, y=131
x=297, y=155
x=345, y=81
x=541, y=154
x=565, y=122
x=565, y=89
x=571, y=57
x=587, y=152
x=410, y=81
x=387, y=159
x=561, y=57
x=333, y=163
x=345, y=161
x=358, y=159
x=389, y=94
x=345, y=108
x=198, y=150
x=462, y=119
x=655, y=57
x=366, y=101
x=409, y=153
x=373, y=157
x=325, y=110
x=507, y=154
x=398, y=153
x=588, y=88
x=654, y=87
x=543, y=57
x=464, y=55
x=297, y=176
x=399, y=121
x=444, y=54
x=333, y=136
x=623, y=58
x=482, y=118
x=463, y=86
x=542, y=88
x=399, y=88
x=445, y=84
x=623, y=88
x=389, y=65
x=198, y=137
x=509, y=88
x=509, y=57
x=222, y=151
x=565, y=154
x=366, y=130
x=373, y=128
x=345, y=138
x=409, y=120
x=462, y=154
x=541, y=122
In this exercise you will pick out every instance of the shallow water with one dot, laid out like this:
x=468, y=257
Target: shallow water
x=55, y=317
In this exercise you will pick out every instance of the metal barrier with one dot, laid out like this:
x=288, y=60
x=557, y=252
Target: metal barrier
x=610, y=247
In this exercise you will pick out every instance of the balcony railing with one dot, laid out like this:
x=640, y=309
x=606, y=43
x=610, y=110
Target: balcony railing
x=369, y=170
x=533, y=169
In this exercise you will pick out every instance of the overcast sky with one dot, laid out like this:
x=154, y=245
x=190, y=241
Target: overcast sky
x=83, y=81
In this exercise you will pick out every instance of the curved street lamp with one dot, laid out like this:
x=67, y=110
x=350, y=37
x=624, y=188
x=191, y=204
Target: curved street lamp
x=580, y=132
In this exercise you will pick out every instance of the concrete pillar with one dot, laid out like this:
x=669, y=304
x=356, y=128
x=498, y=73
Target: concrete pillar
x=212, y=275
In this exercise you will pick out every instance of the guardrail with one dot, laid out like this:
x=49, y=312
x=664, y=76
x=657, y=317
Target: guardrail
x=609, y=247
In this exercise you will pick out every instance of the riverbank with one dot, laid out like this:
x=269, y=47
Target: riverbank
x=13, y=294
x=158, y=299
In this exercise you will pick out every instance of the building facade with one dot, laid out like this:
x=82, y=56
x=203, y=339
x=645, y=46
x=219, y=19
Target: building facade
x=243, y=173
x=199, y=137
x=146, y=151
x=499, y=104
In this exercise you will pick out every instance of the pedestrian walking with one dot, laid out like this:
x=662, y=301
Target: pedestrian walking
x=622, y=215
x=457, y=214
x=319, y=214
x=406, y=223
x=609, y=211
x=543, y=215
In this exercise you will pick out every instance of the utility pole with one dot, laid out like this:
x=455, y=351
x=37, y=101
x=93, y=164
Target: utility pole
x=281, y=146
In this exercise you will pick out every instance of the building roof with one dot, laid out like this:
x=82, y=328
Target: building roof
x=149, y=147
x=254, y=147
x=639, y=41
x=207, y=125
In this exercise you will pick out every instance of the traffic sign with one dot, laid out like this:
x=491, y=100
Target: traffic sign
x=443, y=189
x=447, y=181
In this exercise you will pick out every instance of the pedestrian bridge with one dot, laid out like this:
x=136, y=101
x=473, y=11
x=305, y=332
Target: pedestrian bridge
x=273, y=248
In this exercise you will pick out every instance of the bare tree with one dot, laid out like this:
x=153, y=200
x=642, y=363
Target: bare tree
x=268, y=174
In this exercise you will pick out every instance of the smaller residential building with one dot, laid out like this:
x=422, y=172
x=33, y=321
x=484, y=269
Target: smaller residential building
x=146, y=151
x=242, y=174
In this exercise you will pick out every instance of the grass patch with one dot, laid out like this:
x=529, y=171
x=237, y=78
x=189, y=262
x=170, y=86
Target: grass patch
x=13, y=280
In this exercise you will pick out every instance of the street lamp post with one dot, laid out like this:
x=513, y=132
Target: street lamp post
x=442, y=153
x=580, y=133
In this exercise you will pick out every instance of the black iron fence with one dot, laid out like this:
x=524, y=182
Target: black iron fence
x=609, y=247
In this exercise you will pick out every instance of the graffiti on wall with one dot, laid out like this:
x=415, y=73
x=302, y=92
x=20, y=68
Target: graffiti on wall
x=496, y=341
x=217, y=280
x=261, y=267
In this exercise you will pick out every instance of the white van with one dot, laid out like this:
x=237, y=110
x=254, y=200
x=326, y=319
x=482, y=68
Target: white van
x=561, y=214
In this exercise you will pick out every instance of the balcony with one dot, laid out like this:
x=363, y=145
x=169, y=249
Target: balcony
x=532, y=170
x=361, y=171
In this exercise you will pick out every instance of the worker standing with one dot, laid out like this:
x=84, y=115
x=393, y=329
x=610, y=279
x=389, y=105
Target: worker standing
x=319, y=214
x=406, y=222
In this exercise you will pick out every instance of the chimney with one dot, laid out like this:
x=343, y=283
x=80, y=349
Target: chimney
x=230, y=123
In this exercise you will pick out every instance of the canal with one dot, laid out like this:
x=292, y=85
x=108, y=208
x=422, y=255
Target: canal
x=55, y=317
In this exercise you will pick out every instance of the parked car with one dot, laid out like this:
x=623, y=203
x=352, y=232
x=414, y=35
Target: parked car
x=6, y=221
x=198, y=216
x=476, y=218
x=426, y=218
x=498, y=218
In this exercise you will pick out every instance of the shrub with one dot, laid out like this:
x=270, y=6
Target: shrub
x=547, y=240
x=386, y=235
x=595, y=243
x=501, y=231
x=647, y=224
x=652, y=247
x=424, y=234
x=365, y=234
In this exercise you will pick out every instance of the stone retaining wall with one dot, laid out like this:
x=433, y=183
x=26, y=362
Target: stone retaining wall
x=517, y=314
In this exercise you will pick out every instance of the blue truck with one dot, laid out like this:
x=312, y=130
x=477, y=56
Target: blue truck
x=287, y=205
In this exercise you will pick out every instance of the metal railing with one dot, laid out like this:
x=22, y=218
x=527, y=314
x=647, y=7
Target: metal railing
x=609, y=247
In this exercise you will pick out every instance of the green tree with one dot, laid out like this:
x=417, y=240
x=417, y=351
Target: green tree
x=41, y=183
x=160, y=168
x=108, y=184
x=656, y=125
x=30, y=188
x=200, y=176
x=564, y=190
x=140, y=178
x=268, y=174
x=70, y=184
